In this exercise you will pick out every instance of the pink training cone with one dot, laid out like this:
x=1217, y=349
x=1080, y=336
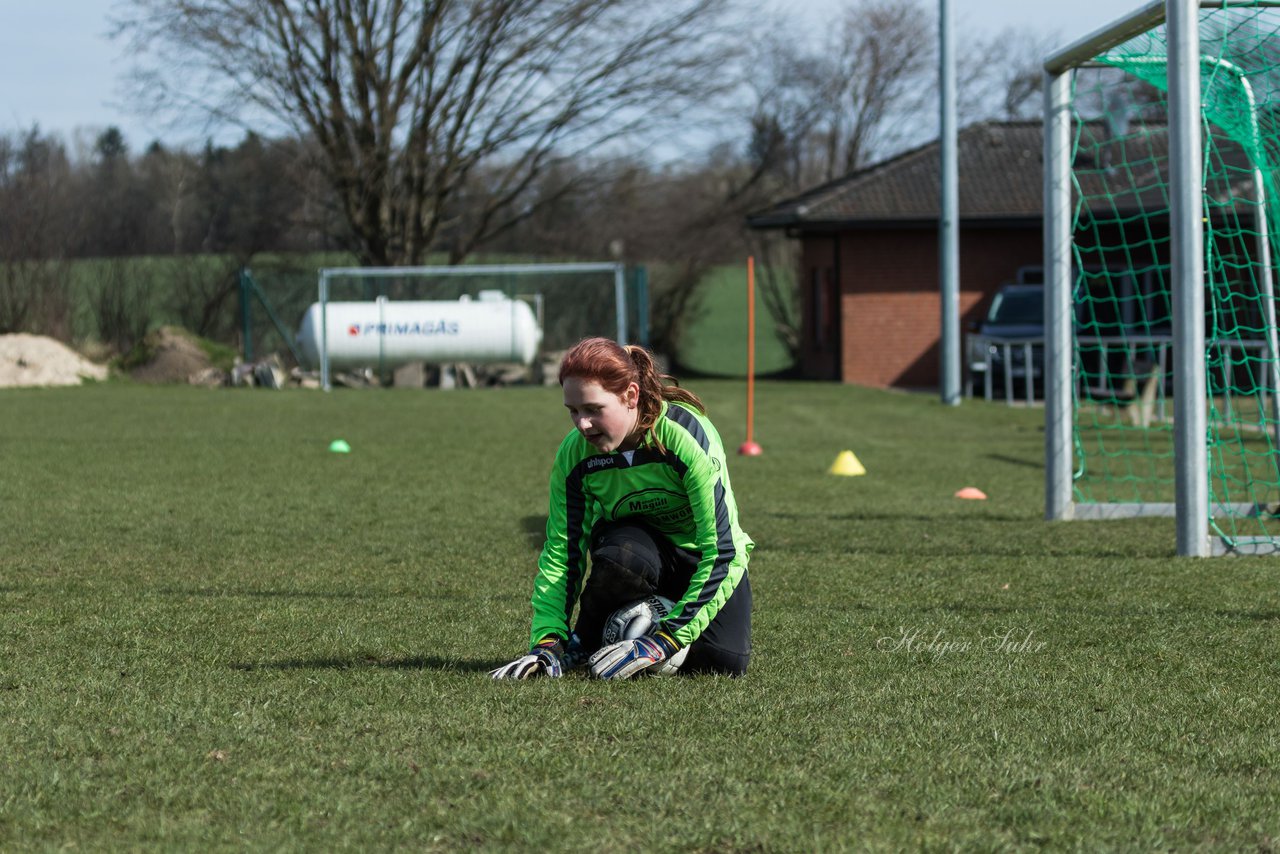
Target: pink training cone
x=972, y=493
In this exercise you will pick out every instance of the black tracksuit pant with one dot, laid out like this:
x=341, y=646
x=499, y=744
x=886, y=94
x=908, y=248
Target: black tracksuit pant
x=631, y=560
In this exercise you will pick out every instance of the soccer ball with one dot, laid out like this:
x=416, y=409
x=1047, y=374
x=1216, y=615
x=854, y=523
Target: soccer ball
x=640, y=618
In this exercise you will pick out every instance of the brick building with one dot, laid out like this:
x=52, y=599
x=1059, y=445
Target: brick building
x=869, y=269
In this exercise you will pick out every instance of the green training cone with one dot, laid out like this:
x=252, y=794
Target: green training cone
x=339, y=446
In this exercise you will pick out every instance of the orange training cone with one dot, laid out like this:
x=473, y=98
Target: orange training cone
x=972, y=493
x=847, y=465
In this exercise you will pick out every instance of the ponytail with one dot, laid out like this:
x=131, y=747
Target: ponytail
x=656, y=387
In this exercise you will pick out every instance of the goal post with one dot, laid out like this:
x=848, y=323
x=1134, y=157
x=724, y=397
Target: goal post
x=577, y=299
x=1162, y=143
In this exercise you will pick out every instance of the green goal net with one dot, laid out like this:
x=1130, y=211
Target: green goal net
x=1123, y=431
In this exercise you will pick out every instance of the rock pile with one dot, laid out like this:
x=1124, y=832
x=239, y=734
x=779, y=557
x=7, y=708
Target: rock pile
x=35, y=360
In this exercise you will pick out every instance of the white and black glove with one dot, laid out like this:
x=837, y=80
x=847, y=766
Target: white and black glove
x=545, y=659
x=628, y=658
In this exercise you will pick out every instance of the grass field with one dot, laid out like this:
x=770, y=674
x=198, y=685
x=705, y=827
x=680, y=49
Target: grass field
x=216, y=635
x=715, y=342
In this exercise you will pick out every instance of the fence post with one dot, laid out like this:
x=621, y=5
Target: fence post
x=246, y=325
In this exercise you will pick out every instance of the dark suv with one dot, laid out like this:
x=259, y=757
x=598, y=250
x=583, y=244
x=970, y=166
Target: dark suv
x=1009, y=342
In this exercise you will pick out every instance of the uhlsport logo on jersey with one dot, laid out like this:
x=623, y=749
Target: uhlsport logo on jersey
x=429, y=327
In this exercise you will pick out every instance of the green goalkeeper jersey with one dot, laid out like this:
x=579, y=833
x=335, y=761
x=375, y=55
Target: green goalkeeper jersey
x=678, y=485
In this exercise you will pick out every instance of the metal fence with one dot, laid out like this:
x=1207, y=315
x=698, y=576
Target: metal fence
x=1108, y=369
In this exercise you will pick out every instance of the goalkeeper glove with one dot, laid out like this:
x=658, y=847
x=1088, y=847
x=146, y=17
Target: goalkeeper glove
x=545, y=659
x=629, y=658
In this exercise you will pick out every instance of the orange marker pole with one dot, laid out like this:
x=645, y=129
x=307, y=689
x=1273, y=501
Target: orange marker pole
x=749, y=448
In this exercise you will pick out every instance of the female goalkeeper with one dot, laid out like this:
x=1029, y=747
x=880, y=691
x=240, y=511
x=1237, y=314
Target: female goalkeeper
x=641, y=487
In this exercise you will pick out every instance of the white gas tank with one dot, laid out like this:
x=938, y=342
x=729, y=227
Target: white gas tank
x=386, y=332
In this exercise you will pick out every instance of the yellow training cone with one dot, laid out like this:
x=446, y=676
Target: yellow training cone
x=847, y=464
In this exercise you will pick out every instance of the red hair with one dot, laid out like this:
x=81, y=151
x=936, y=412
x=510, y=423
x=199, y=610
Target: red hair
x=615, y=367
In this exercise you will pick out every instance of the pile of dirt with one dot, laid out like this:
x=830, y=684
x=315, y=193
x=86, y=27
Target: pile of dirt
x=170, y=355
x=34, y=360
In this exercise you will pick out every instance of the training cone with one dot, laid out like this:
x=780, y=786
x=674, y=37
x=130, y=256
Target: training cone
x=847, y=465
x=339, y=446
x=750, y=449
x=972, y=493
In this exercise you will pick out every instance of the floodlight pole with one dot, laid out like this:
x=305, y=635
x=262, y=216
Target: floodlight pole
x=949, y=215
x=620, y=300
x=1191, y=481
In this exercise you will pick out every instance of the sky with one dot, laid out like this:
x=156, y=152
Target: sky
x=62, y=72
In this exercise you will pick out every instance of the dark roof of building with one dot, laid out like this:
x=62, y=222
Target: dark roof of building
x=1001, y=174
x=1000, y=178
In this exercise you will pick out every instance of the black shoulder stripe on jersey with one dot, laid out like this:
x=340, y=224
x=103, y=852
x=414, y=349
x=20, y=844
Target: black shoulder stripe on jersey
x=690, y=423
x=575, y=512
x=725, y=553
x=645, y=456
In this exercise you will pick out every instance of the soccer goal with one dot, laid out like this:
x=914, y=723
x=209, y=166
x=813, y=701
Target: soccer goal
x=494, y=313
x=1160, y=222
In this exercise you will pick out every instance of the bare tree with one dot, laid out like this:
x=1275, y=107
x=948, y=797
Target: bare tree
x=1002, y=76
x=828, y=104
x=868, y=91
x=35, y=179
x=882, y=55
x=410, y=102
x=824, y=107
